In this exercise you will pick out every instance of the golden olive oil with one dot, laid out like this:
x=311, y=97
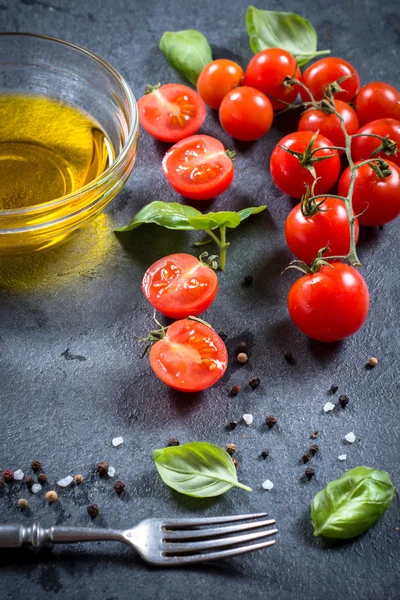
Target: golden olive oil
x=47, y=149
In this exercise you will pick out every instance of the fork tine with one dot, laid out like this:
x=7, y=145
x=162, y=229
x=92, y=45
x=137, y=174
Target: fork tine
x=181, y=523
x=176, y=548
x=213, y=531
x=182, y=560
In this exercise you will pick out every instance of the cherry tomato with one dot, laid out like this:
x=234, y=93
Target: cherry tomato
x=376, y=201
x=291, y=176
x=217, y=79
x=198, y=167
x=179, y=285
x=306, y=235
x=363, y=147
x=266, y=72
x=329, y=305
x=190, y=358
x=246, y=113
x=329, y=125
x=377, y=100
x=327, y=70
x=171, y=112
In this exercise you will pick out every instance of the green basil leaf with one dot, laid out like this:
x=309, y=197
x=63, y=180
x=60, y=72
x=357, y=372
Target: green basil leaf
x=171, y=215
x=290, y=31
x=197, y=469
x=350, y=505
x=188, y=51
x=212, y=220
x=251, y=210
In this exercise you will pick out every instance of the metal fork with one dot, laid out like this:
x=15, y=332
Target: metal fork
x=163, y=542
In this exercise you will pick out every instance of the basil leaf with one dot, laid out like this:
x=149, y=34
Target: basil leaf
x=213, y=220
x=251, y=210
x=197, y=469
x=350, y=505
x=171, y=215
x=188, y=51
x=290, y=31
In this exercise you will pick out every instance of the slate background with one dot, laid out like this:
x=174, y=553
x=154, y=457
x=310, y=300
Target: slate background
x=84, y=296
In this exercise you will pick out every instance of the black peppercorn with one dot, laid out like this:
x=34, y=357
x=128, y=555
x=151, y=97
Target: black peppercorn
x=93, y=510
x=264, y=453
x=233, y=425
x=36, y=464
x=42, y=478
x=305, y=458
x=309, y=473
x=270, y=421
x=119, y=486
x=173, y=442
x=254, y=382
x=248, y=280
x=235, y=390
x=314, y=449
x=241, y=347
x=343, y=401
x=102, y=468
x=288, y=356
x=222, y=335
x=334, y=388
x=29, y=481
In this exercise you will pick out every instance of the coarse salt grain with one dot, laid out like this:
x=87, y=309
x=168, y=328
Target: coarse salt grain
x=342, y=457
x=248, y=419
x=328, y=407
x=36, y=488
x=267, y=485
x=66, y=481
x=18, y=475
x=117, y=441
x=111, y=471
x=350, y=437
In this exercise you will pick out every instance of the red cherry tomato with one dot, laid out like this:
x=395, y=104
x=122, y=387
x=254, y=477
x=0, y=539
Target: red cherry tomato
x=266, y=72
x=377, y=100
x=190, y=358
x=327, y=70
x=306, y=235
x=363, y=147
x=171, y=112
x=329, y=305
x=217, y=79
x=376, y=201
x=291, y=176
x=329, y=125
x=198, y=167
x=246, y=114
x=179, y=285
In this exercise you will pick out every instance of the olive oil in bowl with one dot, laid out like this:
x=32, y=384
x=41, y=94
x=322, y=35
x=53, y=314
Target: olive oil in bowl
x=48, y=149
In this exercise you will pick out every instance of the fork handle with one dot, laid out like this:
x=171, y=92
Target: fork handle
x=15, y=536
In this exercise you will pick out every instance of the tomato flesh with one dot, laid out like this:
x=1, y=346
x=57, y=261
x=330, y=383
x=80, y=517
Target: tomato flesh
x=179, y=285
x=375, y=200
x=190, y=358
x=327, y=70
x=305, y=236
x=171, y=112
x=217, y=79
x=329, y=305
x=362, y=147
x=198, y=167
x=329, y=125
x=377, y=100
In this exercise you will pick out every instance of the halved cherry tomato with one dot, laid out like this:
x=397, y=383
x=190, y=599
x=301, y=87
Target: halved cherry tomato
x=329, y=305
x=266, y=72
x=217, y=79
x=190, y=358
x=171, y=112
x=327, y=70
x=246, y=114
x=376, y=201
x=328, y=226
x=198, y=167
x=362, y=147
x=329, y=124
x=179, y=285
x=377, y=100
x=291, y=176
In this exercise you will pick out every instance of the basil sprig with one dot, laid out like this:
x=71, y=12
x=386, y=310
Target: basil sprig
x=197, y=469
x=173, y=215
x=188, y=51
x=289, y=31
x=350, y=505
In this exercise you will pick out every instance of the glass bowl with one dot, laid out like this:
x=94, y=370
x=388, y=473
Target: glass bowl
x=41, y=65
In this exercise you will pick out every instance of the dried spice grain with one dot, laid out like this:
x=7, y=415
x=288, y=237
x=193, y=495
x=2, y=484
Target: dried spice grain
x=102, y=468
x=235, y=390
x=231, y=449
x=119, y=486
x=78, y=478
x=264, y=453
x=344, y=400
x=42, y=478
x=23, y=503
x=93, y=510
x=51, y=496
x=270, y=421
x=36, y=464
x=309, y=473
x=254, y=382
x=173, y=442
x=8, y=476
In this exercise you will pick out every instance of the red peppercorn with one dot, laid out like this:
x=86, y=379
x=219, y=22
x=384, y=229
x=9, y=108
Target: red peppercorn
x=119, y=486
x=235, y=462
x=8, y=476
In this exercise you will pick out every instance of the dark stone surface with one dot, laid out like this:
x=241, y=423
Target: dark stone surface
x=71, y=379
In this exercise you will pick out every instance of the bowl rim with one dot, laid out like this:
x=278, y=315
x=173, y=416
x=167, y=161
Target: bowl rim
x=132, y=132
